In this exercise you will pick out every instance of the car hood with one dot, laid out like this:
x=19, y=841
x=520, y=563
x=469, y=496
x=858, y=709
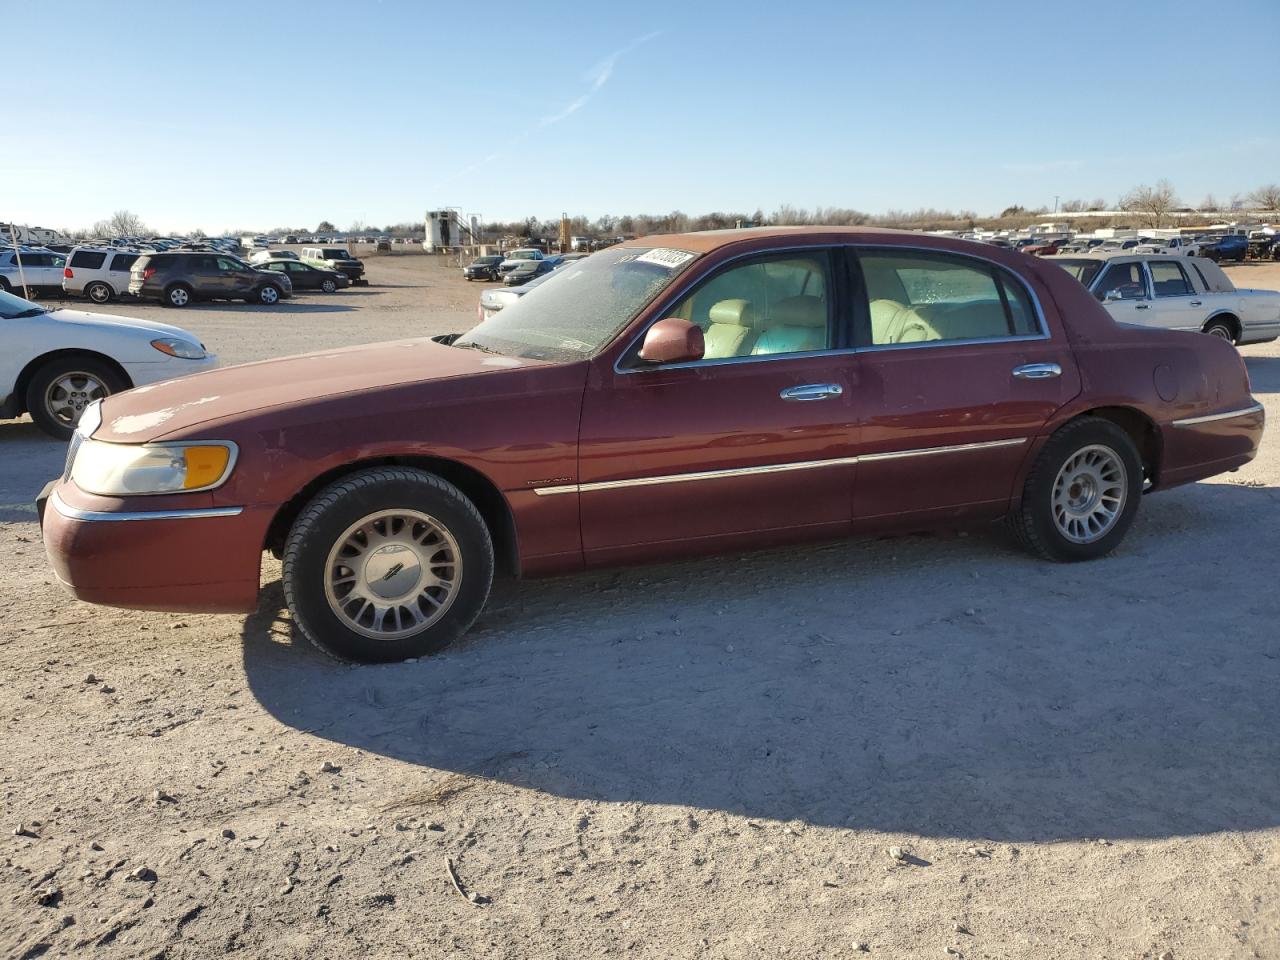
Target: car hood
x=98, y=320
x=151, y=412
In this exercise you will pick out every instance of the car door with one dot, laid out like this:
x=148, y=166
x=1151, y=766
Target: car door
x=1124, y=291
x=239, y=278
x=961, y=365
x=303, y=276
x=1175, y=304
x=750, y=445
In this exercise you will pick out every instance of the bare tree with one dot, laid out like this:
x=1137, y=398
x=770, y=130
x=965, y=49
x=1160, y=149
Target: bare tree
x=1208, y=204
x=1073, y=206
x=1153, y=204
x=122, y=223
x=1267, y=197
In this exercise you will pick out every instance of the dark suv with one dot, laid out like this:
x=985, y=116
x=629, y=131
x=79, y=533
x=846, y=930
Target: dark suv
x=178, y=277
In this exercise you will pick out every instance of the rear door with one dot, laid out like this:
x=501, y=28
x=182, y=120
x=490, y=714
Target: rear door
x=961, y=365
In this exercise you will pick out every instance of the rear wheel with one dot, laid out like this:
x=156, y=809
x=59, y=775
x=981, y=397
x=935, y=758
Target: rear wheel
x=179, y=295
x=98, y=292
x=388, y=563
x=4, y=286
x=1082, y=493
x=61, y=389
x=1222, y=329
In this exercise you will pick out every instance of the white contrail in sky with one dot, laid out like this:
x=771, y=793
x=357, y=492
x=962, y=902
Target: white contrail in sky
x=597, y=77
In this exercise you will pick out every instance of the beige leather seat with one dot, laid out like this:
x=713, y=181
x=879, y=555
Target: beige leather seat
x=893, y=322
x=794, y=325
x=732, y=323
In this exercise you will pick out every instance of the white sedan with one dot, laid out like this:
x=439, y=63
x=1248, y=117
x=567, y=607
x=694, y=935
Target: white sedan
x=54, y=363
x=1177, y=293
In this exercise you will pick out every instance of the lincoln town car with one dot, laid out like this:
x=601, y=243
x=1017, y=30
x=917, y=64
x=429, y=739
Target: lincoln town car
x=671, y=396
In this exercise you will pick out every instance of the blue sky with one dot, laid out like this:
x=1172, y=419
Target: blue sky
x=255, y=115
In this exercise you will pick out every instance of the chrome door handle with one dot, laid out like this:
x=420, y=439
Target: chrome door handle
x=1195, y=303
x=1037, y=371
x=812, y=391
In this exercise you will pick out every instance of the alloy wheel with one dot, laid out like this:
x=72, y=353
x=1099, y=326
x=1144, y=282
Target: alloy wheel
x=1089, y=493
x=68, y=396
x=393, y=574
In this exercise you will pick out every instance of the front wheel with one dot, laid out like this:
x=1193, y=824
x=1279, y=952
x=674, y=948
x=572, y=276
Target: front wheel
x=329, y=286
x=61, y=389
x=386, y=564
x=1082, y=493
x=268, y=295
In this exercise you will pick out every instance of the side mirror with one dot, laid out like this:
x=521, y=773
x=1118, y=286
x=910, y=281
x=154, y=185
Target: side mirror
x=672, y=340
x=1113, y=295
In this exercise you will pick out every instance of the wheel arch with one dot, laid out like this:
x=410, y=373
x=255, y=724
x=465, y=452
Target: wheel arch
x=488, y=499
x=1229, y=317
x=1142, y=430
x=24, y=377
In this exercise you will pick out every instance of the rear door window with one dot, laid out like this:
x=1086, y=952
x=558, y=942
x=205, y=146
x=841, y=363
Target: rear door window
x=916, y=297
x=1169, y=279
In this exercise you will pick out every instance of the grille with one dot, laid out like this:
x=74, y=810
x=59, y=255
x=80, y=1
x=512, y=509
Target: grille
x=72, y=447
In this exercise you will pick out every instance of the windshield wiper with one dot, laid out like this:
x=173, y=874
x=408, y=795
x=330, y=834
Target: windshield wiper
x=472, y=345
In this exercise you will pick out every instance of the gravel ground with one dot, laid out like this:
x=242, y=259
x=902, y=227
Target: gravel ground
x=704, y=759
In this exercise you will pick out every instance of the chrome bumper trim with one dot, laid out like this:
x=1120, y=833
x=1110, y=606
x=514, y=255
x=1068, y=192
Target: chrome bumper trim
x=770, y=468
x=74, y=513
x=1229, y=415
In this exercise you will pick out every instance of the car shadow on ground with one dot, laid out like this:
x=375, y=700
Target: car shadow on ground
x=1264, y=374
x=31, y=458
x=944, y=686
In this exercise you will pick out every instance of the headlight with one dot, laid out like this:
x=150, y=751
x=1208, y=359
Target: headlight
x=182, y=349
x=123, y=469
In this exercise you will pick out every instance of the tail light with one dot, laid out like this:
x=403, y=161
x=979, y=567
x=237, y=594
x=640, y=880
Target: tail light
x=148, y=273
x=66, y=273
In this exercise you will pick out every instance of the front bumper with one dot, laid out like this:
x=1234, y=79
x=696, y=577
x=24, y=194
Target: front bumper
x=181, y=553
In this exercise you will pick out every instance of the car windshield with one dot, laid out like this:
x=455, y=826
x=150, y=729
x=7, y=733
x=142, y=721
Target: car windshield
x=521, y=255
x=335, y=253
x=485, y=261
x=580, y=307
x=1082, y=270
x=11, y=307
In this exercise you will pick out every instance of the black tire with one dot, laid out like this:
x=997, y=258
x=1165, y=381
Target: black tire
x=178, y=295
x=1034, y=520
x=1222, y=329
x=268, y=295
x=43, y=407
x=5, y=286
x=329, y=286
x=99, y=292
x=330, y=516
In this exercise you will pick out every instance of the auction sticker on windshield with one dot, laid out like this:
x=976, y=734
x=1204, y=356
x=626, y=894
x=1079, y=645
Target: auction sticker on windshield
x=665, y=257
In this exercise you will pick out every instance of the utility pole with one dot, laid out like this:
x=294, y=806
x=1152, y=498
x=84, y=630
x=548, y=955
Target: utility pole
x=1055, y=203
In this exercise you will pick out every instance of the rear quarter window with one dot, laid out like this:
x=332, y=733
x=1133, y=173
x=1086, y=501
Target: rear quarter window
x=88, y=259
x=123, y=261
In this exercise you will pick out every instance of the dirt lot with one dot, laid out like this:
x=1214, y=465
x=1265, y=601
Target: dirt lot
x=705, y=759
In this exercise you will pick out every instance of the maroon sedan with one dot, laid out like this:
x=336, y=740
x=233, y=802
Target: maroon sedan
x=671, y=396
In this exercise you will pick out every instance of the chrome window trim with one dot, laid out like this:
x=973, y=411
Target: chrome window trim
x=1044, y=334
x=1210, y=418
x=771, y=468
x=75, y=513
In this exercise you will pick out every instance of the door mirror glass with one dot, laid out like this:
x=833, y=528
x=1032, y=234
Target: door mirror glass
x=673, y=340
x=1113, y=295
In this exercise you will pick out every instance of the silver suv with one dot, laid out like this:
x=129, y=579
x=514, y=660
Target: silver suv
x=99, y=273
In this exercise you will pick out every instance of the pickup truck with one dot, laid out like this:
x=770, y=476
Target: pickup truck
x=1233, y=246
x=1177, y=293
x=1177, y=246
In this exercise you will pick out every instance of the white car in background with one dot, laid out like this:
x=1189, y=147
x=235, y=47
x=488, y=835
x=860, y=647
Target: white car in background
x=54, y=363
x=267, y=256
x=1177, y=293
x=1174, y=246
